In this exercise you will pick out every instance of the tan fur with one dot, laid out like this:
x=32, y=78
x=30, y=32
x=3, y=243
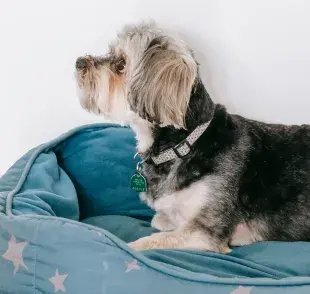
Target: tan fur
x=102, y=91
x=158, y=80
x=162, y=84
x=183, y=238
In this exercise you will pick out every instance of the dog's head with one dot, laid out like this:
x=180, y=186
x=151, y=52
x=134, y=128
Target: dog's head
x=146, y=71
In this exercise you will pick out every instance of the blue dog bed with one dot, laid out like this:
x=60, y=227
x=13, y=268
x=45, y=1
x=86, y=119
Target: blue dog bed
x=67, y=212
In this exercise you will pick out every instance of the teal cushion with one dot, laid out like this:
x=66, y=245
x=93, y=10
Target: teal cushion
x=67, y=212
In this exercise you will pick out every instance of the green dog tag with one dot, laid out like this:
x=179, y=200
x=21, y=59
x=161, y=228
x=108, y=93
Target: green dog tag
x=138, y=183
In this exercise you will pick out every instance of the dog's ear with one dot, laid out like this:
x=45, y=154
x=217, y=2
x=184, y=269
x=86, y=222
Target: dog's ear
x=161, y=84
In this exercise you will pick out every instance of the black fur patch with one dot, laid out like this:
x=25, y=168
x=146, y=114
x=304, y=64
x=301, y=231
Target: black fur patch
x=265, y=171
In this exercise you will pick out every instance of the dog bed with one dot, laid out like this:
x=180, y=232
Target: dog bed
x=67, y=213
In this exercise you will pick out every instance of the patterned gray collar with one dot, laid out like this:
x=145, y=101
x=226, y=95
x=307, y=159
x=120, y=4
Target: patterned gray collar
x=181, y=149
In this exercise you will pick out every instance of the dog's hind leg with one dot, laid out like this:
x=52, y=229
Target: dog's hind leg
x=242, y=236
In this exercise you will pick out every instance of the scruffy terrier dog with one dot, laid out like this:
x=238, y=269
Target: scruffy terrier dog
x=213, y=178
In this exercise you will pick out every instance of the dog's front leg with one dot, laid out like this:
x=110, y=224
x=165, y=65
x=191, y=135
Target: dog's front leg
x=162, y=222
x=190, y=237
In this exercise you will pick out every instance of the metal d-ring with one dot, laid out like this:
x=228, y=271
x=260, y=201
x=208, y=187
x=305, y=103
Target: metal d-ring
x=139, y=167
x=139, y=164
x=138, y=153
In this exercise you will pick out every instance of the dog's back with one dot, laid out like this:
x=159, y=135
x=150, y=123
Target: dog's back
x=275, y=184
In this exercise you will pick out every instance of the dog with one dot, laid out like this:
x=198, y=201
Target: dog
x=215, y=179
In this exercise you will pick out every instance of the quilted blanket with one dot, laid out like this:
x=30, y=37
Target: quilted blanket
x=67, y=213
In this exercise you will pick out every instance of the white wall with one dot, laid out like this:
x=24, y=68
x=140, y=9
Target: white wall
x=254, y=55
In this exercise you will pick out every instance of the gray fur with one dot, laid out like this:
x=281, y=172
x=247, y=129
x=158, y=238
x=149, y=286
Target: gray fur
x=239, y=174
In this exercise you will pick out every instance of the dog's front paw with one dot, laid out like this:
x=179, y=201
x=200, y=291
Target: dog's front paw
x=160, y=240
x=141, y=244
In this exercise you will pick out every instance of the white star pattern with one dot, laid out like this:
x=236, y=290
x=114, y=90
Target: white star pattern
x=58, y=281
x=242, y=290
x=132, y=266
x=15, y=253
x=105, y=266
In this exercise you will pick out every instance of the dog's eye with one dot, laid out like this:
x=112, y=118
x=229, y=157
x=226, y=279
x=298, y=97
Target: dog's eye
x=120, y=66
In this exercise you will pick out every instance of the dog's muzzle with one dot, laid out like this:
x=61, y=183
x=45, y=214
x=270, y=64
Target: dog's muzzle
x=84, y=62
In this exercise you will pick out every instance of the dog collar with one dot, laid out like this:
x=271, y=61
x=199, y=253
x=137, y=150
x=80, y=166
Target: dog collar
x=183, y=148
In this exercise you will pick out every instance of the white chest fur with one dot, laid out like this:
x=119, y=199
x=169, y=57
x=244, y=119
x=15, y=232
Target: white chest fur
x=182, y=206
x=143, y=131
x=176, y=209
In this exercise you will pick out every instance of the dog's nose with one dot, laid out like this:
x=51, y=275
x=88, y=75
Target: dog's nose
x=81, y=63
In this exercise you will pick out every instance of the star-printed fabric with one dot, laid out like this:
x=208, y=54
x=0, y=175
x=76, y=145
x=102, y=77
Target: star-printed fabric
x=67, y=213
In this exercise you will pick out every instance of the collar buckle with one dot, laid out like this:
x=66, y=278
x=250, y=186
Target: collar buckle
x=182, y=149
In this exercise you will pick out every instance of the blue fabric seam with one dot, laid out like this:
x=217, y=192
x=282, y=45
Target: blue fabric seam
x=252, y=266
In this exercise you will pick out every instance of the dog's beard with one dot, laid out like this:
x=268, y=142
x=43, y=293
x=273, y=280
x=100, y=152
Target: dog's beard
x=102, y=92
